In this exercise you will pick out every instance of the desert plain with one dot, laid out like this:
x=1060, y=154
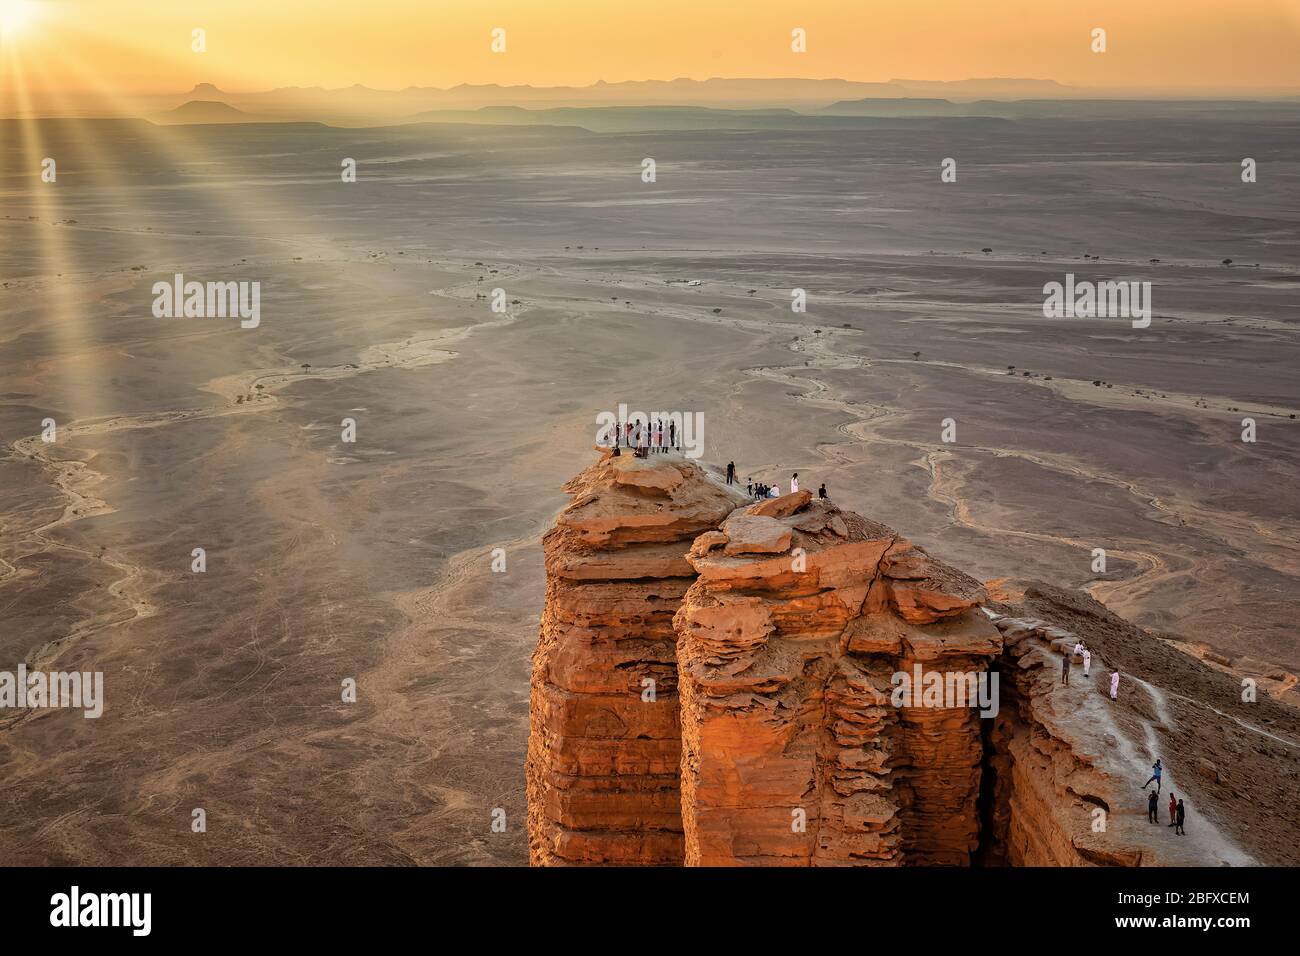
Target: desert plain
x=373, y=560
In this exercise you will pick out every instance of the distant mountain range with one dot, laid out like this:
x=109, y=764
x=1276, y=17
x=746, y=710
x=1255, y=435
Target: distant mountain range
x=718, y=93
x=207, y=111
x=747, y=102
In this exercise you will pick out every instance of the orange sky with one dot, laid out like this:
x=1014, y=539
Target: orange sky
x=144, y=45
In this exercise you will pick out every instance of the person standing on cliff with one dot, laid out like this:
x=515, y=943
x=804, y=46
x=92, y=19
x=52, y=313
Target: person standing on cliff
x=1114, y=685
x=731, y=472
x=1182, y=815
x=794, y=484
x=821, y=492
x=1065, y=666
x=1087, y=661
x=1153, y=815
x=1156, y=770
x=1173, y=809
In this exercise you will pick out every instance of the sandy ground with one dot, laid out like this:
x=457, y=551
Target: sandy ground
x=372, y=560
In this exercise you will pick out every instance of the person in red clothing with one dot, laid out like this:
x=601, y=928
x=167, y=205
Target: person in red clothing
x=1173, y=809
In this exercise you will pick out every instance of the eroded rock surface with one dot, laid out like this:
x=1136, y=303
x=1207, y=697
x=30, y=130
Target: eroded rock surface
x=773, y=636
x=793, y=753
x=604, y=753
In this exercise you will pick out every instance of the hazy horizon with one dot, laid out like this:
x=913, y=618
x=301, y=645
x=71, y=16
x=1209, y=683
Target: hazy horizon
x=745, y=99
x=1122, y=92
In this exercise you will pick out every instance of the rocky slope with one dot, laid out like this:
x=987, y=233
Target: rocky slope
x=1233, y=756
x=719, y=682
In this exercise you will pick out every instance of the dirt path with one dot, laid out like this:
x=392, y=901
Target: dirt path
x=1129, y=760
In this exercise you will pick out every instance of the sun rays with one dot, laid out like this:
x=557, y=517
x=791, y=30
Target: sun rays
x=111, y=181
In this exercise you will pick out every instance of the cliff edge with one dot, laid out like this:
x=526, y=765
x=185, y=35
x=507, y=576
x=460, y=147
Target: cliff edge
x=719, y=681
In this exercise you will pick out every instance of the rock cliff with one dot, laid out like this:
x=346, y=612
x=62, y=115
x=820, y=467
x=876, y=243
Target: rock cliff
x=788, y=643
x=605, y=746
x=722, y=682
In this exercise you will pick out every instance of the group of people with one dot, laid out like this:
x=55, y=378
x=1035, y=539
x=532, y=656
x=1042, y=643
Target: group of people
x=645, y=437
x=1081, y=650
x=759, y=489
x=1177, y=813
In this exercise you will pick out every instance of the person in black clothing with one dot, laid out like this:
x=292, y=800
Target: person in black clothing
x=1182, y=814
x=821, y=492
x=731, y=472
x=672, y=433
x=1152, y=815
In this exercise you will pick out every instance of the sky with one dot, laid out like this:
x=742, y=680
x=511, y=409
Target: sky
x=141, y=46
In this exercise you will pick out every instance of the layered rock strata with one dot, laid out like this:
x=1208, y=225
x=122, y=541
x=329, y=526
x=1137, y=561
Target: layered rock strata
x=605, y=746
x=721, y=682
x=793, y=751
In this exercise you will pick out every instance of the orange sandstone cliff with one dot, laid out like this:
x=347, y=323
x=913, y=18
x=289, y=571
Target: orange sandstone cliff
x=717, y=682
x=788, y=640
x=605, y=747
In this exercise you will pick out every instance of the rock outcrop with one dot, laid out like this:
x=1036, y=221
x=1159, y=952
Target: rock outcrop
x=605, y=746
x=789, y=641
x=721, y=682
